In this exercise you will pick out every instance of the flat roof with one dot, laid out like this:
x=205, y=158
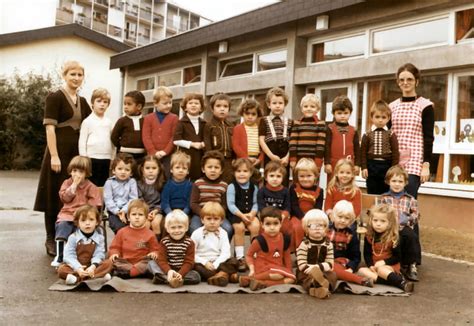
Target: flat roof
x=270, y=16
x=62, y=31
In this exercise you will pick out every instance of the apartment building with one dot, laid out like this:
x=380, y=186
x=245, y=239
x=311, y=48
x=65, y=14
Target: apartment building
x=349, y=47
x=134, y=22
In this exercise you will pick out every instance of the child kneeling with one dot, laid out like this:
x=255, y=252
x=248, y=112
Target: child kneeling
x=315, y=256
x=84, y=254
x=176, y=254
x=212, y=257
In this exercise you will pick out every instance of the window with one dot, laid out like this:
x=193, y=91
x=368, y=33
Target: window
x=465, y=25
x=338, y=49
x=409, y=36
x=464, y=135
x=170, y=79
x=146, y=84
x=272, y=60
x=236, y=66
x=327, y=96
x=192, y=75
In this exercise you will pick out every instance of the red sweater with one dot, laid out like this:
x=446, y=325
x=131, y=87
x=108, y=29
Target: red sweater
x=133, y=244
x=334, y=195
x=239, y=142
x=158, y=136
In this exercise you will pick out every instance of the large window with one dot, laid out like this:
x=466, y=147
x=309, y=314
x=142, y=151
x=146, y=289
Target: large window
x=170, y=79
x=410, y=36
x=236, y=66
x=271, y=60
x=465, y=25
x=342, y=48
x=192, y=75
x=146, y=84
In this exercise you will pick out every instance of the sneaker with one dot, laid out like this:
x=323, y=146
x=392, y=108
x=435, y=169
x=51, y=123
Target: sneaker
x=56, y=263
x=244, y=281
x=368, y=282
x=256, y=285
x=407, y=286
x=71, y=279
x=107, y=277
x=321, y=292
x=242, y=267
x=412, y=273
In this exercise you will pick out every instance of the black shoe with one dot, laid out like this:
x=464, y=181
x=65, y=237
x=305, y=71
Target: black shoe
x=407, y=286
x=122, y=274
x=412, y=273
x=50, y=245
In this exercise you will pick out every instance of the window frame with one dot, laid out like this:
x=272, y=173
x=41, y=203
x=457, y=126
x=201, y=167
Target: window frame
x=221, y=70
x=154, y=76
x=272, y=50
x=169, y=72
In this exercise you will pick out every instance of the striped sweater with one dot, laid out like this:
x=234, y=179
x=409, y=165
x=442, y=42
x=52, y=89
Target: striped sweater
x=177, y=255
x=314, y=252
x=205, y=190
x=307, y=139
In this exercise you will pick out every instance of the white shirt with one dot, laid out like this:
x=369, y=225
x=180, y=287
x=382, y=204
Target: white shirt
x=94, y=138
x=210, y=247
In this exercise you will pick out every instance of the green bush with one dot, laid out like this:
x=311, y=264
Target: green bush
x=22, y=135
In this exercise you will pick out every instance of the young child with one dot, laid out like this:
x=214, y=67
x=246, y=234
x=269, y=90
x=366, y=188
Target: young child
x=315, y=256
x=245, y=137
x=218, y=133
x=342, y=186
x=75, y=192
x=346, y=244
x=305, y=194
x=177, y=190
x=150, y=183
x=268, y=256
x=342, y=140
x=94, y=139
x=176, y=254
x=406, y=207
x=382, y=250
x=127, y=132
x=209, y=188
x=308, y=135
x=84, y=254
x=212, y=256
x=242, y=204
x=274, y=194
x=135, y=245
x=159, y=127
x=379, y=149
x=189, y=134
x=274, y=130
x=119, y=190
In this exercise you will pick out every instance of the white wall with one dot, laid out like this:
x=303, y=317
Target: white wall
x=47, y=56
x=22, y=15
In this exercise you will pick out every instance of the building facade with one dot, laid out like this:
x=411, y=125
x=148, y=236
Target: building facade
x=134, y=22
x=332, y=48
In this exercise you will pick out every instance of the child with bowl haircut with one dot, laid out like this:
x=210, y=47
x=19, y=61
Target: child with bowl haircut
x=176, y=254
x=177, y=190
x=218, y=133
x=315, y=256
x=212, y=256
x=134, y=245
x=268, y=256
x=159, y=127
x=84, y=254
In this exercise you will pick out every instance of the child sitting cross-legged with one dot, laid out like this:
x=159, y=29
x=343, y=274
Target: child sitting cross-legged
x=346, y=244
x=212, y=257
x=268, y=256
x=134, y=245
x=84, y=254
x=315, y=256
x=176, y=254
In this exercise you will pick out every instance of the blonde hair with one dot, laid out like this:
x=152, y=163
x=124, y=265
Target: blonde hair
x=391, y=234
x=137, y=203
x=382, y=107
x=352, y=188
x=100, y=93
x=311, y=98
x=82, y=163
x=160, y=92
x=276, y=91
x=180, y=158
x=212, y=208
x=305, y=164
x=344, y=207
x=176, y=216
x=314, y=215
x=70, y=65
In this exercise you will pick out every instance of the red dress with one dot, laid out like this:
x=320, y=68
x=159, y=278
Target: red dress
x=275, y=260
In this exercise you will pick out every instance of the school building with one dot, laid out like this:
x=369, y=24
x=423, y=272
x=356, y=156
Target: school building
x=334, y=47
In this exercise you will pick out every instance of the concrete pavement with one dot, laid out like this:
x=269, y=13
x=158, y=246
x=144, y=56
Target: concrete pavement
x=445, y=294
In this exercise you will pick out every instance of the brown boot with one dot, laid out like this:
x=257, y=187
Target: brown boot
x=318, y=276
x=321, y=293
x=220, y=279
x=50, y=245
x=244, y=281
x=256, y=285
x=233, y=278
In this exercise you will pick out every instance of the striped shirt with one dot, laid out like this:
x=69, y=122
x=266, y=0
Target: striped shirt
x=253, y=147
x=275, y=128
x=205, y=190
x=176, y=251
x=312, y=252
x=307, y=139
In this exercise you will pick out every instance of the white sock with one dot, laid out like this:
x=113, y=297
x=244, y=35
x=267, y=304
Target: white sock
x=239, y=252
x=71, y=279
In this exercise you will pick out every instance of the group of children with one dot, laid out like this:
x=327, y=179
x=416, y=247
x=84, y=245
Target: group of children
x=198, y=186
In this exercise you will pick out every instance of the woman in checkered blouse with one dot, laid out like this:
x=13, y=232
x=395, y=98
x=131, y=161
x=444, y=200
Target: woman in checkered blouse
x=413, y=123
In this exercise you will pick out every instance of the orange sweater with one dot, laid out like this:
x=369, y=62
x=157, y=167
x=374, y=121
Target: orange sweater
x=334, y=195
x=133, y=244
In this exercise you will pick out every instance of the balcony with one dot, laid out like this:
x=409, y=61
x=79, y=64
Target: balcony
x=64, y=16
x=99, y=26
x=145, y=14
x=101, y=3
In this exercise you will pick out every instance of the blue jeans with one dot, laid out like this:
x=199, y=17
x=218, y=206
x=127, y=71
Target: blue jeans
x=196, y=224
x=64, y=229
